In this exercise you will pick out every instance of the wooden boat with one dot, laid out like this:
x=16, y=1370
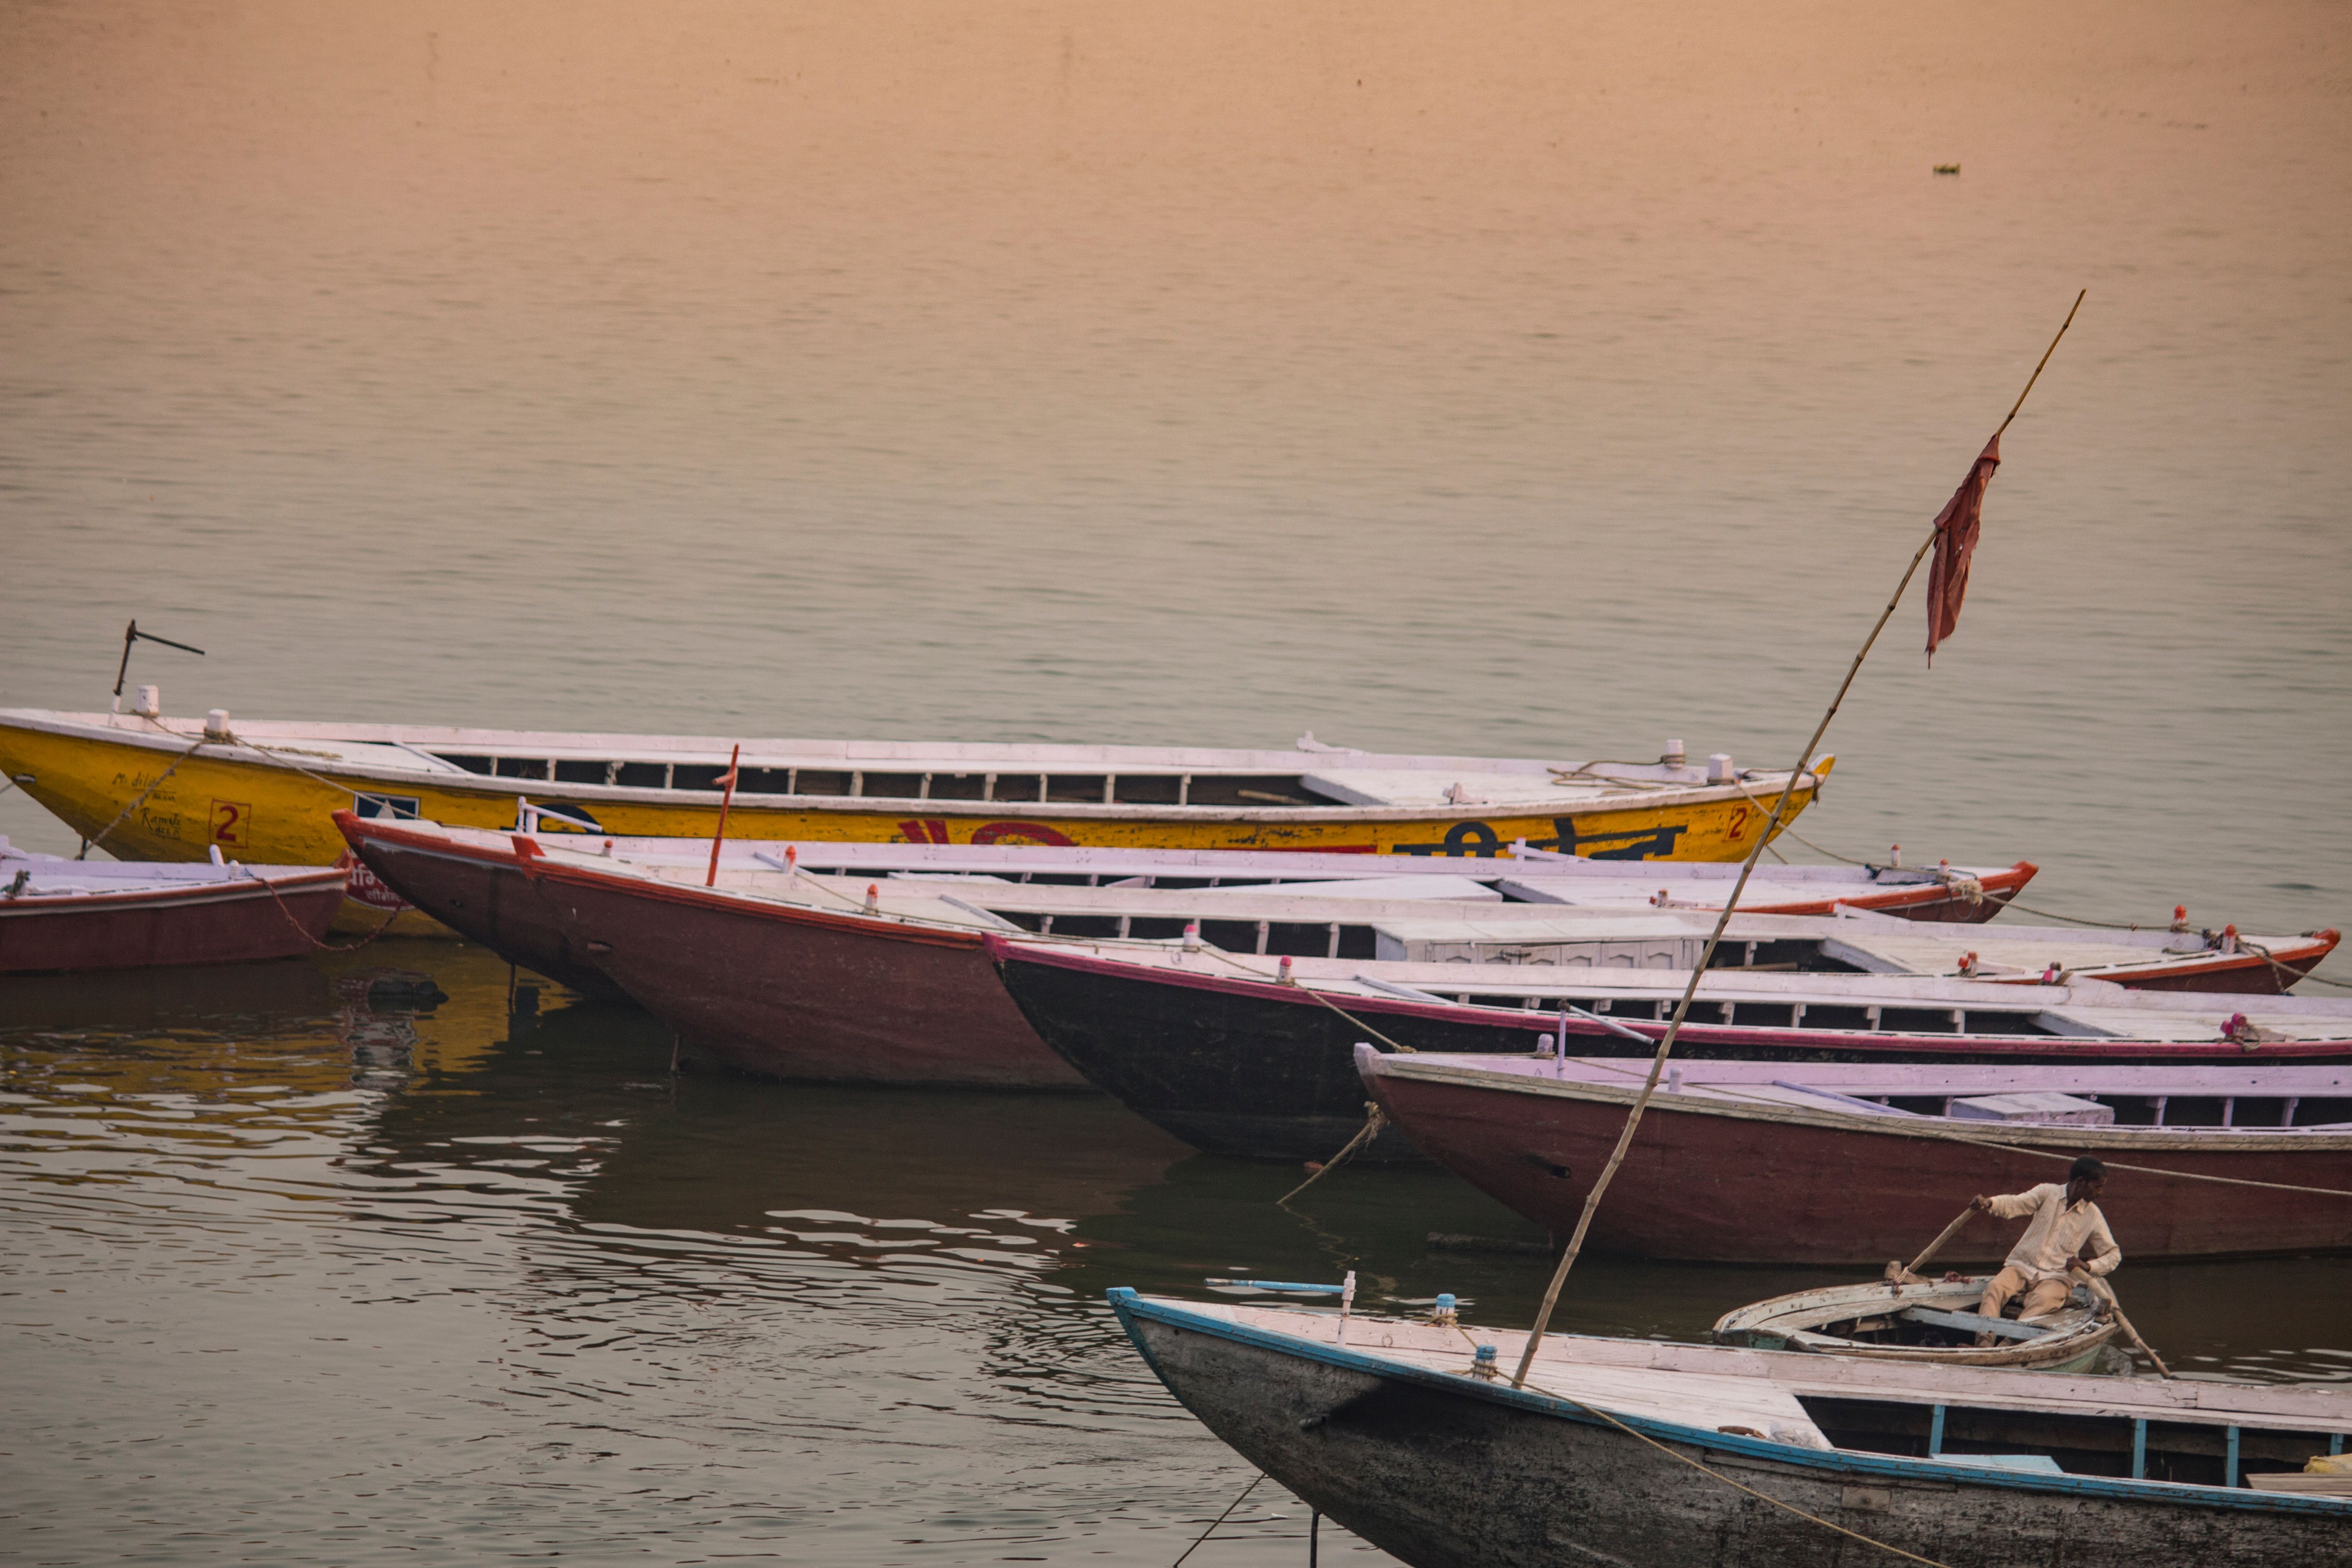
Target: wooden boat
x=266, y=790
x=58, y=915
x=781, y=971
x=1224, y=1052
x=1933, y=1321
x=1618, y=1451
x=1853, y=1163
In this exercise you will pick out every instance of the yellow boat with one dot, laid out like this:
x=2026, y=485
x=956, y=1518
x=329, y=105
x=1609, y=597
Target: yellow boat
x=156, y=788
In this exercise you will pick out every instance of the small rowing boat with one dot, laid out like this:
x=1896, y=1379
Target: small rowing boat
x=1253, y=1055
x=58, y=915
x=1677, y=1455
x=1933, y=1321
x=1850, y=1162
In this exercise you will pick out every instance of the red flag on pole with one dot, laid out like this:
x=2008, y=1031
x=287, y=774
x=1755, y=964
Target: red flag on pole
x=1956, y=542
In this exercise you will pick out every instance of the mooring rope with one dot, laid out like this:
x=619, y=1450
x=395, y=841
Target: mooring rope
x=1353, y=1021
x=1375, y=1120
x=1219, y=1519
x=390, y=916
x=90, y=843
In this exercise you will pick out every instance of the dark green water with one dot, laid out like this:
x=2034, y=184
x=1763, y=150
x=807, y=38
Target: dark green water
x=292, y=1276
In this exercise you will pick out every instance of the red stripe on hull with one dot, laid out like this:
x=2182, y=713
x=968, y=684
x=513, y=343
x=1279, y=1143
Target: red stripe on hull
x=1722, y=1189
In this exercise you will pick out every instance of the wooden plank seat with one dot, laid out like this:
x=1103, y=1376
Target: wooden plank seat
x=1975, y=1323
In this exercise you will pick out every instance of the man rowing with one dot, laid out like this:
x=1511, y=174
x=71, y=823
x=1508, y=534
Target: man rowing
x=2066, y=1238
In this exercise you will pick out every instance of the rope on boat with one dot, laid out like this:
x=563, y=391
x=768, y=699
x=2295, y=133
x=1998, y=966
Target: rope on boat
x=2160, y=1170
x=389, y=916
x=1220, y=1519
x=1785, y=828
x=1711, y=1474
x=1353, y=1021
x=2288, y=971
x=90, y=843
x=1375, y=1120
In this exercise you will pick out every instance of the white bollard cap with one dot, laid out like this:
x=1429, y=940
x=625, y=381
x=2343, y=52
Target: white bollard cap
x=1719, y=769
x=151, y=702
x=216, y=724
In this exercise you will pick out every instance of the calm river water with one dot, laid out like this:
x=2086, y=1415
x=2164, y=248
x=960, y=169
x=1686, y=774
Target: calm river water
x=1506, y=378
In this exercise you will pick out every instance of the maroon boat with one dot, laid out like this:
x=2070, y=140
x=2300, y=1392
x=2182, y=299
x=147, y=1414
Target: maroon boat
x=1251, y=1054
x=762, y=985
x=58, y=916
x=1853, y=1164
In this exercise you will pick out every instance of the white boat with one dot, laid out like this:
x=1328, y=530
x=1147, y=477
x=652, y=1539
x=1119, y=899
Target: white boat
x=1933, y=1321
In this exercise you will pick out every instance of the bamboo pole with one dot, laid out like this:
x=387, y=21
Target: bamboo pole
x=1706, y=954
x=725, y=801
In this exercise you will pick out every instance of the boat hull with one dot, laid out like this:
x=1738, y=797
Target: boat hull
x=755, y=985
x=1709, y=1181
x=1240, y=1066
x=791, y=992
x=491, y=902
x=216, y=923
x=1444, y=1471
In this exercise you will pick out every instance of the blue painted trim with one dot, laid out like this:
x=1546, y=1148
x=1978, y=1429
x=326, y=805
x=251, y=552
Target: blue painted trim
x=2335, y=1443
x=1130, y=1307
x=1124, y=1302
x=2230, y=1470
x=2139, y=1449
x=1284, y=1285
x=1936, y=1435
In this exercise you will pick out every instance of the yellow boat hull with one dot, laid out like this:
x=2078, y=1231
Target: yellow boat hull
x=155, y=804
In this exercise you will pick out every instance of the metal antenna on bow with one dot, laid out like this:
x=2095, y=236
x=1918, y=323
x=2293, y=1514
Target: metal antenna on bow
x=132, y=633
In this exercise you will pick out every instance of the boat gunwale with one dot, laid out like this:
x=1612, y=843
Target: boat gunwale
x=1030, y=948
x=1432, y=1068
x=731, y=900
x=1129, y=1304
x=284, y=881
x=1876, y=898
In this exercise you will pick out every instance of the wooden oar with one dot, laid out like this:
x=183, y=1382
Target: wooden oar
x=2099, y=1289
x=1938, y=1245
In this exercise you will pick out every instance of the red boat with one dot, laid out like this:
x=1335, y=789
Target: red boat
x=762, y=985
x=1252, y=1054
x=58, y=915
x=1853, y=1164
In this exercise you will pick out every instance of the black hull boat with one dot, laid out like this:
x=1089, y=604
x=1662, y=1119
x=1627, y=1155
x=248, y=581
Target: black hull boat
x=1223, y=1051
x=1385, y=1426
